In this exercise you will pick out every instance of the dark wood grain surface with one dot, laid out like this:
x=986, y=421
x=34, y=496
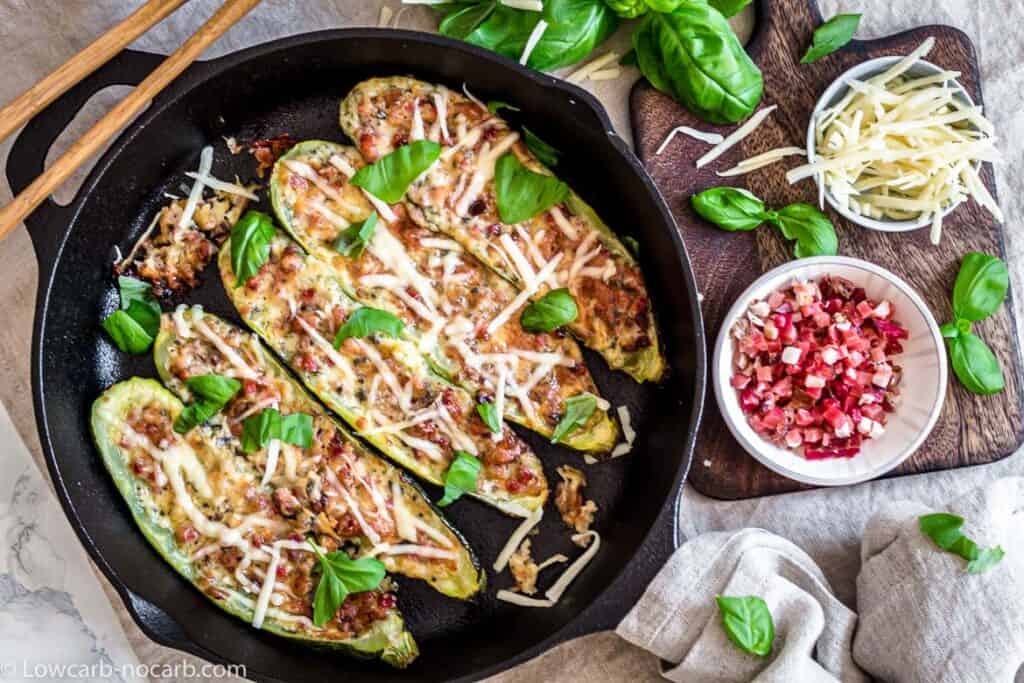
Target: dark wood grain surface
x=972, y=430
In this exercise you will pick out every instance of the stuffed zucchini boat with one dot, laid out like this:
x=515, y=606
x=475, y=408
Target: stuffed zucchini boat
x=377, y=383
x=336, y=486
x=199, y=508
x=464, y=316
x=457, y=196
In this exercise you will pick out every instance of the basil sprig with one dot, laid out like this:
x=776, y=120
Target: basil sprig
x=521, y=193
x=979, y=291
x=366, y=321
x=339, y=576
x=212, y=393
x=944, y=529
x=551, y=311
x=578, y=410
x=547, y=154
x=352, y=240
x=250, y=245
x=748, y=623
x=259, y=429
x=134, y=326
x=489, y=414
x=389, y=177
x=735, y=209
x=460, y=478
x=830, y=36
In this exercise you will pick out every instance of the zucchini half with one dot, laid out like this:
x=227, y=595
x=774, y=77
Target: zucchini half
x=387, y=639
x=196, y=355
x=314, y=220
x=614, y=320
x=291, y=287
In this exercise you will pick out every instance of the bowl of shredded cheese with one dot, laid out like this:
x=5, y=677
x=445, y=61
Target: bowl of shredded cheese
x=896, y=144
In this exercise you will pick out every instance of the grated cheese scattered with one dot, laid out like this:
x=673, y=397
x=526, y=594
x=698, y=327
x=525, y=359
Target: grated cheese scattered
x=761, y=160
x=554, y=594
x=222, y=186
x=606, y=74
x=581, y=74
x=205, y=166
x=531, y=42
x=516, y=538
x=385, y=16
x=736, y=136
x=710, y=138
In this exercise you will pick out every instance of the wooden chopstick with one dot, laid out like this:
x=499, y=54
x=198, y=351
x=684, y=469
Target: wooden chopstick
x=90, y=143
x=99, y=52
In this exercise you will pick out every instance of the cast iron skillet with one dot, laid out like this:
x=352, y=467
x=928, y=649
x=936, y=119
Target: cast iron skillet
x=294, y=85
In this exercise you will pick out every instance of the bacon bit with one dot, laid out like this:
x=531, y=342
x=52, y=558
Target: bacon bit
x=268, y=150
x=577, y=513
x=524, y=569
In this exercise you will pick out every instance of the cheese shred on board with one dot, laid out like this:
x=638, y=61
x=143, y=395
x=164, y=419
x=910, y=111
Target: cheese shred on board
x=901, y=147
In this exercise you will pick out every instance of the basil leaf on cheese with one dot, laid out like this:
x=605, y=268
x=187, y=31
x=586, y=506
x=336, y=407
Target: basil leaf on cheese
x=460, y=478
x=250, y=245
x=389, y=177
x=521, y=193
x=341, y=575
x=489, y=414
x=297, y=429
x=353, y=240
x=128, y=335
x=551, y=311
x=258, y=430
x=212, y=393
x=547, y=154
x=748, y=623
x=578, y=410
x=367, y=321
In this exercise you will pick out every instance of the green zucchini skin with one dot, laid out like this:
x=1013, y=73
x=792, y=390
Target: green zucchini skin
x=463, y=583
x=599, y=435
x=518, y=505
x=388, y=640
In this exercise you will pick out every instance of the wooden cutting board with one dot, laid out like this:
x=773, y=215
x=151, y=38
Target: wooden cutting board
x=972, y=430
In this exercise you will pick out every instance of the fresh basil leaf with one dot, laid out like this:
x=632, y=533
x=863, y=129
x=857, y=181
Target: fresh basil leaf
x=551, y=311
x=748, y=623
x=132, y=289
x=250, y=245
x=628, y=59
x=582, y=25
x=980, y=286
x=258, y=430
x=146, y=314
x=832, y=35
x=212, y=393
x=127, y=334
x=297, y=429
x=812, y=230
x=390, y=176
x=341, y=575
x=460, y=478
x=693, y=56
x=464, y=21
x=729, y=8
x=366, y=321
x=489, y=414
x=950, y=331
x=352, y=240
x=975, y=365
x=521, y=193
x=578, y=410
x=628, y=9
x=730, y=208
x=944, y=530
x=547, y=154
x=986, y=559
x=195, y=414
x=494, y=106
x=665, y=6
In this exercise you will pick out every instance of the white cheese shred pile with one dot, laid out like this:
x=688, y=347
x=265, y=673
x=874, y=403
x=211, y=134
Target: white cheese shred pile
x=736, y=136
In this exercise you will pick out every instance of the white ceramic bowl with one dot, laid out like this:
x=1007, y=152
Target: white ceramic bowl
x=922, y=390
x=836, y=92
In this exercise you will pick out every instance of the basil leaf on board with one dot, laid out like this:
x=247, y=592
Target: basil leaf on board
x=578, y=410
x=464, y=21
x=259, y=429
x=547, y=154
x=581, y=26
x=628, y=9
x=975, y=365
x=341, y=575
x=551, y=311
x=250, y=245
x=212, y=393
x=366, y=321
x=748, y=623
x=127, y=334
x=494, y=106
x=729, y=8
x=730, y=208
x=521, y=193
x=812, y=230
x=352, y=240
x=489, y=414
x=693, y=56
x=389, y=177
x=980, y=286
x=944, y=530
x=832, y=35
x=460, y=478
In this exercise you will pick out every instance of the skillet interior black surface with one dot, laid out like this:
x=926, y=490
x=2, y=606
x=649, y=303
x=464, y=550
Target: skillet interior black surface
x=293, y=86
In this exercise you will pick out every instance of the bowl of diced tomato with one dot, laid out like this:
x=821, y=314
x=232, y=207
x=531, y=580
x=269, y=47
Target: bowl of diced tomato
x=830, y=370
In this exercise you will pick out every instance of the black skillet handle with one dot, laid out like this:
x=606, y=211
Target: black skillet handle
x=28, y=153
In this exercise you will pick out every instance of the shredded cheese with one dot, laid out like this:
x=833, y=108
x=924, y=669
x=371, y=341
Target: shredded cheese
x=710, y=138
x=736, y=136
x=581, y=74
x=606, y=74
x=761, y=160
x=205, y=166
x=554, y=594
x=222, y=186
x=517, y=537
x=531, y=43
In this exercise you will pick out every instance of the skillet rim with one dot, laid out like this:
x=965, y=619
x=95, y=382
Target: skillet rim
x=50, y=227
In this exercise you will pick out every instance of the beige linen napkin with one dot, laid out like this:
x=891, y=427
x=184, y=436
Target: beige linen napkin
x=677, y=618
x=923, y=618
